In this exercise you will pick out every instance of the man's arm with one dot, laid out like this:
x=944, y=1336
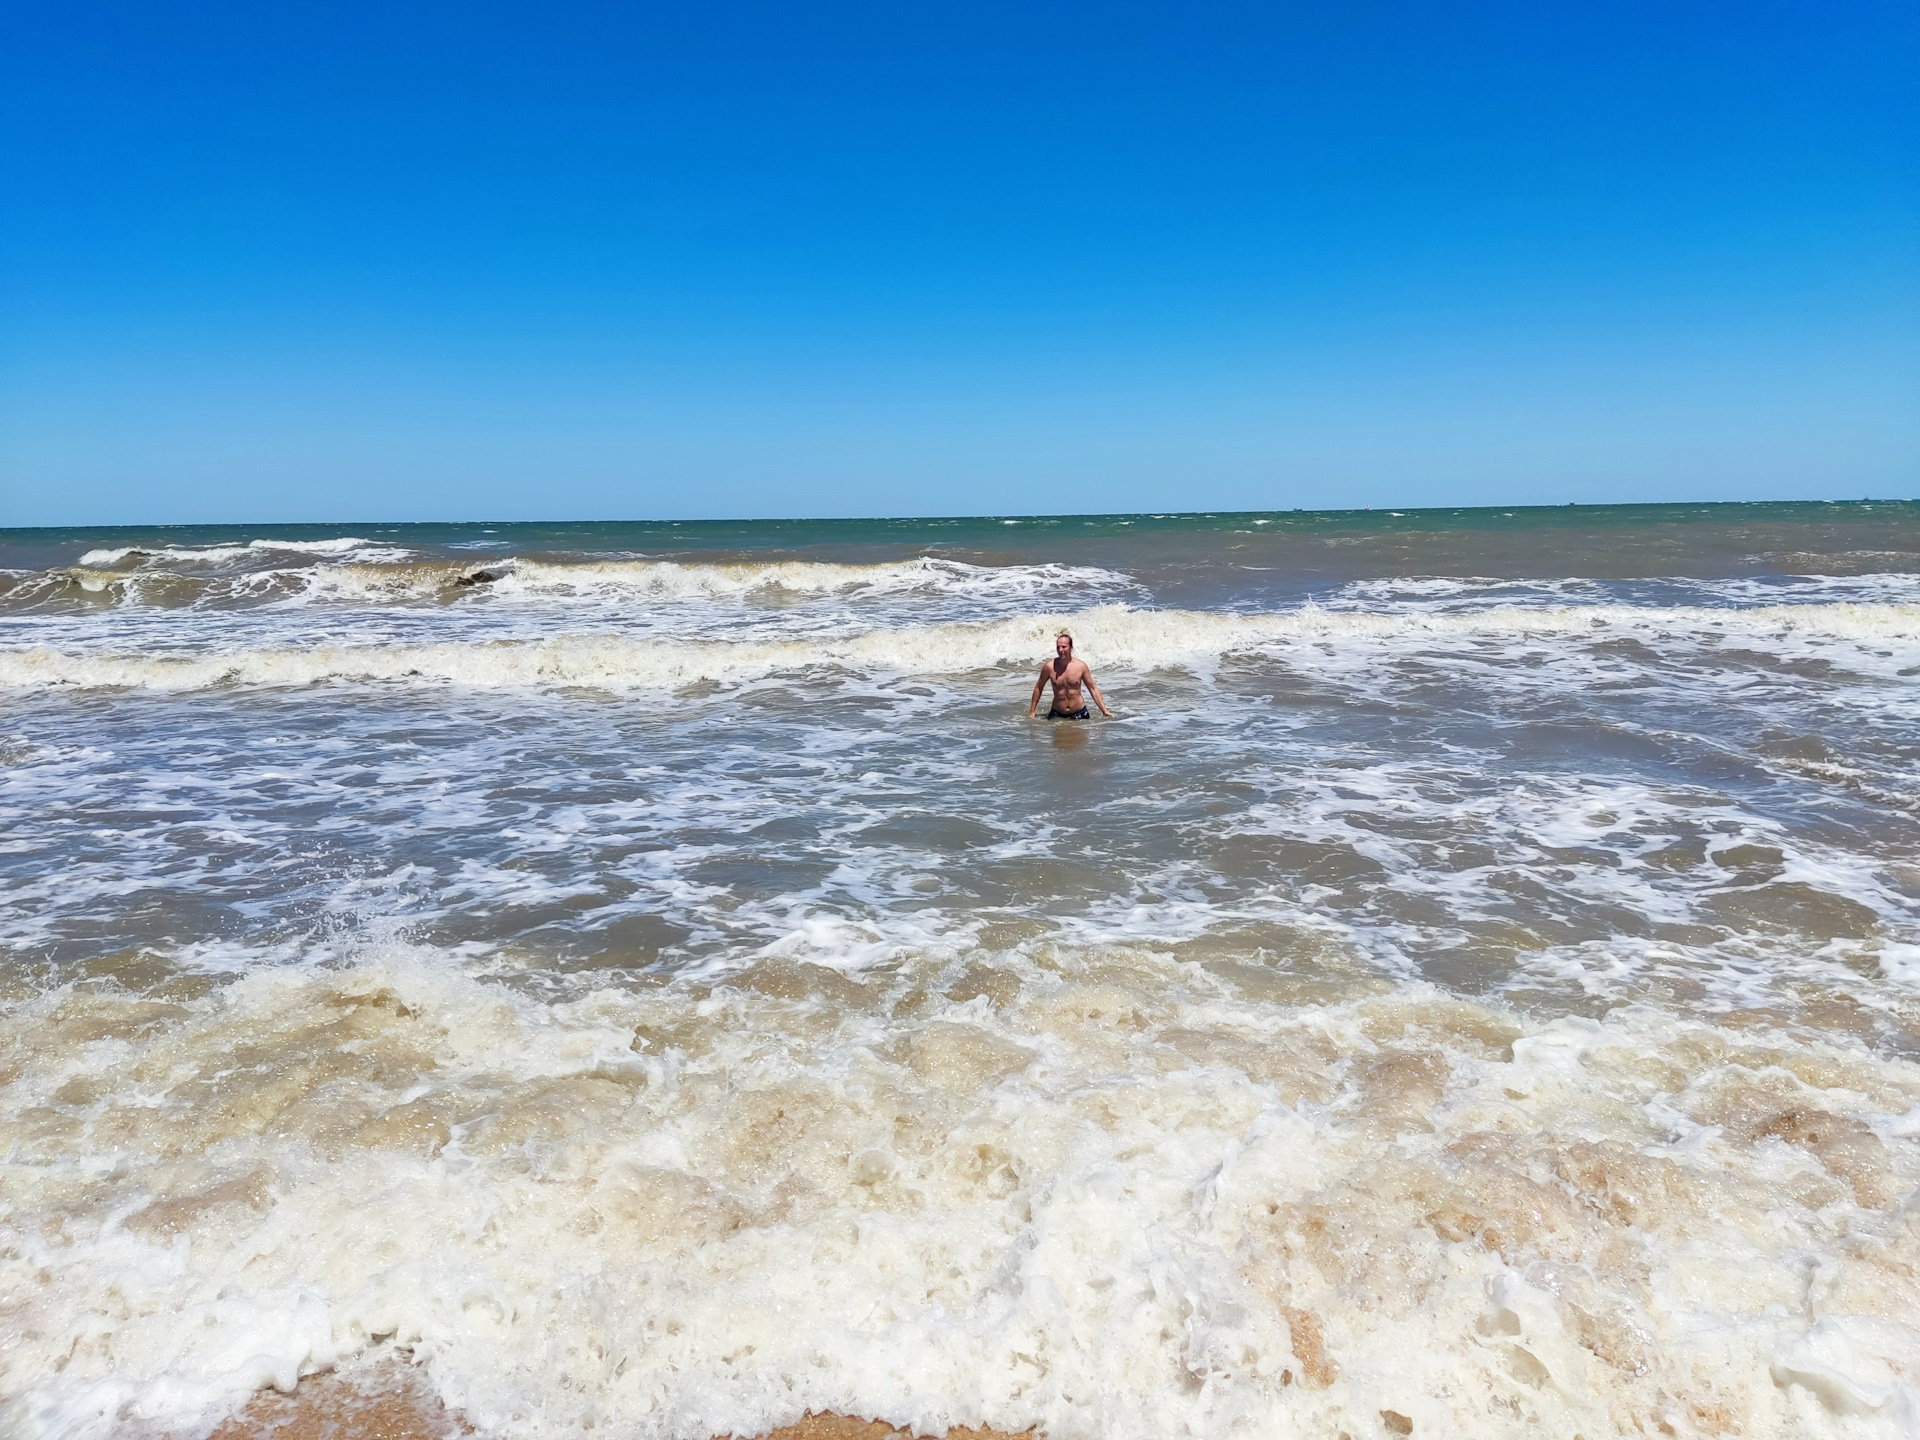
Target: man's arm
x=1038, y=686
x=1098, y=698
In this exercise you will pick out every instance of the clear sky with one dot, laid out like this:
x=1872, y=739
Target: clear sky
x=297, y=261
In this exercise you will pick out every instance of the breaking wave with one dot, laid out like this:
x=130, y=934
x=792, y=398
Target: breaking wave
x=1113, y=635
x=359, y=575
x=346, y=545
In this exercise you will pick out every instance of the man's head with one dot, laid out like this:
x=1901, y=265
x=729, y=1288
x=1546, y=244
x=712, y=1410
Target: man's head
x=1063, y=645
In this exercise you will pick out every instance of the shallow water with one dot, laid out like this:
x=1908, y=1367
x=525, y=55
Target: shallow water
x=655, y=976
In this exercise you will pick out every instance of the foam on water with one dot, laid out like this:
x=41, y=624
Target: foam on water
x=1443, y=593
x=360, y=573
x=670, y=580
x=660, y=983
x=1118, y=634
x=341, y=547
x=1103, y=1191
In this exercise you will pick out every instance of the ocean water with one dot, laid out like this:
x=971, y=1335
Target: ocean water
x=655, y=979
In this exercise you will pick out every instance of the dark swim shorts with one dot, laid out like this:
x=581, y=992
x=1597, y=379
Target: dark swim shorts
x=1085, y=712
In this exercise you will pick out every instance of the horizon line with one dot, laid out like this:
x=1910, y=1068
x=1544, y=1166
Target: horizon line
x=1002, y=516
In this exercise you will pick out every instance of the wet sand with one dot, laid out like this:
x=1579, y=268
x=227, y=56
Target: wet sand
x=326, y=1407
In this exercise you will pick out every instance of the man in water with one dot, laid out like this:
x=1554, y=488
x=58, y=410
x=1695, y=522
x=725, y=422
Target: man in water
x=1067, y=675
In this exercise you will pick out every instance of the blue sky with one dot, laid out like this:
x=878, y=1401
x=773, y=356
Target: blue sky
x=409, y=261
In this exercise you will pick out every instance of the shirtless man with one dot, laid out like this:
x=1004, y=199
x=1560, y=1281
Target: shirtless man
x=1067, y=675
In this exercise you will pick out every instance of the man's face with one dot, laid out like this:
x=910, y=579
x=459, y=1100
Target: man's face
x=1063, y=647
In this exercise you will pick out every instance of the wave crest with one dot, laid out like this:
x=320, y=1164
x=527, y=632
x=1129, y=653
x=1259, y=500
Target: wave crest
x=1113, y=635
x=370, y=576
x=230, y=554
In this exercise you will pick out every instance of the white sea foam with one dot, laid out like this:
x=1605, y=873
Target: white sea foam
x=1112, y=635
x=369, y=575
x=1400, y=593
x=1098, y=1192
x=667, y=579
x=1117, y=1081
x=347, y=545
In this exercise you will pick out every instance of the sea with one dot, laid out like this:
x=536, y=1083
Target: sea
x=656, y=980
